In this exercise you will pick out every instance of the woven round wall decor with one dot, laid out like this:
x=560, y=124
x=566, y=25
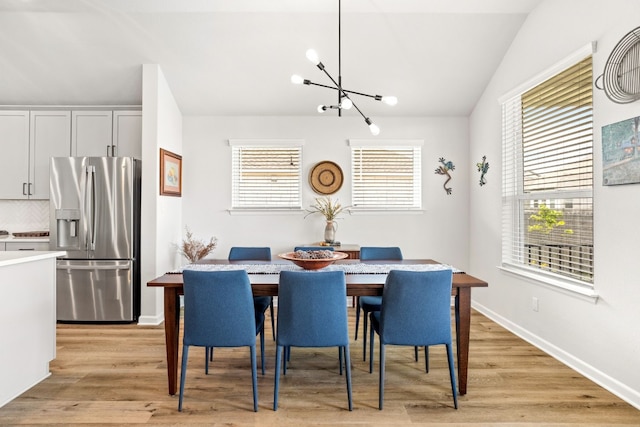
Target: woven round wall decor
x=326, y=177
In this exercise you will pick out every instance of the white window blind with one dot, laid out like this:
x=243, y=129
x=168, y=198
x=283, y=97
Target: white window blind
x=266, y=174
x=547, y=209
x=386, y=175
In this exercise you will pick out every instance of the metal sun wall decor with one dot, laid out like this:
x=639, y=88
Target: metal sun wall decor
x=620, y=79
x=444, y=170
x=483, y=168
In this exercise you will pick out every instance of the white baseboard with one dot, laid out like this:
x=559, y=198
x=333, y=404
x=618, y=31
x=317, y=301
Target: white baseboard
x=151, y=320
x=611, y=384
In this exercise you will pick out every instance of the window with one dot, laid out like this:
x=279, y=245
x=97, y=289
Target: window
x=547, y=208
x=266, y=174
x=386, y=175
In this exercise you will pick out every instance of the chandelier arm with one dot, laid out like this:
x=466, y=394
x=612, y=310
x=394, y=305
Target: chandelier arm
x=376, y=97
x=321, y=85
x=345, y=91
x=337, y=86
x=356, y=107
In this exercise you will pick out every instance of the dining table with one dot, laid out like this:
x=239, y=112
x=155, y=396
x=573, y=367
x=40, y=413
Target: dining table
x=362, y=277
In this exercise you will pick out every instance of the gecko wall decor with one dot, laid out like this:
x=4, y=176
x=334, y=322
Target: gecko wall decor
x=444, y=170
x=483, y=167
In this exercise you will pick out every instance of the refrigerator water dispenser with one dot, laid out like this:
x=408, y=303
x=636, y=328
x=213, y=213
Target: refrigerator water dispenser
x=67, y=223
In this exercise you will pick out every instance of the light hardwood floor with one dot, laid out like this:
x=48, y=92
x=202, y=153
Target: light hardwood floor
x=116, y=375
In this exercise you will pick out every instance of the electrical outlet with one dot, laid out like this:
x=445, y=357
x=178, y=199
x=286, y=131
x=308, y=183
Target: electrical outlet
x=534, y=304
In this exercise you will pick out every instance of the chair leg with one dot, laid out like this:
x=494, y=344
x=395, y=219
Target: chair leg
x=340, y=359
x=452, y=373
x=276, y=384
x=371, y=341
x=426, y=358
x=381, y=385
x=415, y=351
x=262, y=350
x=183, y=374
x=364, y=335
x=287, y=354
x=357, y=318
x=208, y=357
x=347, y=364
x=254, y=377
x=273, y=323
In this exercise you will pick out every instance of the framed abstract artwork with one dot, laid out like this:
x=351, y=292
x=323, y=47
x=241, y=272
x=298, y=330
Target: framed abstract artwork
x=621, y=152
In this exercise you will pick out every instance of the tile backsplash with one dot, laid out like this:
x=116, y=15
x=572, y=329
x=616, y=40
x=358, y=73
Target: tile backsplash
x=24, y=215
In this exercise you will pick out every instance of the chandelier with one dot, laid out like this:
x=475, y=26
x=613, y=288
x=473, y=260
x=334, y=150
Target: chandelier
x=344, y=100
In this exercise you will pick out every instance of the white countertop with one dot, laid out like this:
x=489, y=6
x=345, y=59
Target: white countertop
x=18, y=257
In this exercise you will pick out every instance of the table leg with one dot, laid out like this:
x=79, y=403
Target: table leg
x=463, y=326
x=171, y=328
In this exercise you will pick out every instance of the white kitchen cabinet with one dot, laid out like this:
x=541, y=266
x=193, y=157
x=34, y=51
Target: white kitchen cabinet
x=26, y=246
x=29, y=139
x=91, y=133
x=14, y=134
x=49, y=136
x=28, y=314
x=127, y=133
x=115, y=133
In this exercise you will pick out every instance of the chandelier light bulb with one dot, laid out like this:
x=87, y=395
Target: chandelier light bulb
x=375, y=130
x=390, y=100
x=312, y=56
x=346, y=103
x=321, y=108
x=296, y=79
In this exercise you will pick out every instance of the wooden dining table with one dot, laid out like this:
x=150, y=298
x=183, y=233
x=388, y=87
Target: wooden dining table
x=358, y=284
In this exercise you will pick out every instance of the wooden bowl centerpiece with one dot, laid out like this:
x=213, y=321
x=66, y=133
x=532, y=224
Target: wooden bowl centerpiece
x=313, y=260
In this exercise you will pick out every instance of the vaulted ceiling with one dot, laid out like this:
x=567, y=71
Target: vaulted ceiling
x=236, y=57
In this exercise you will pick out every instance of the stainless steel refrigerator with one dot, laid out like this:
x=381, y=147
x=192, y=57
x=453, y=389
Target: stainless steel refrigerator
x=94, y=210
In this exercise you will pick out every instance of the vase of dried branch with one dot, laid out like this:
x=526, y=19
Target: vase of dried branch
x=330, y=231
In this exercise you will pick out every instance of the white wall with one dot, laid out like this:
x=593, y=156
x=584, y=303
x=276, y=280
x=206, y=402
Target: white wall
x=601, y=340
x=440, y=232
x=161, y=215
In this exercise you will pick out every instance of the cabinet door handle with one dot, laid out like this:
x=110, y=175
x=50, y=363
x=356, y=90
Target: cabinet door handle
x=30, y=193
x=24, y=189
x=114, y=151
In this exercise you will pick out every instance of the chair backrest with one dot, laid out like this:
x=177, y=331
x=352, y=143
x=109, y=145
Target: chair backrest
x=313, y=248
x=380, y=253
x=311, y=309
x=416, y=308
x=218, y=309
x=250, y=253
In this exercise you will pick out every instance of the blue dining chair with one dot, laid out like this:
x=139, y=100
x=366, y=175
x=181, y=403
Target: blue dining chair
x=369, y=304
x=416, y=311
x=256, y=253
x=321, y=324
x=219, y=312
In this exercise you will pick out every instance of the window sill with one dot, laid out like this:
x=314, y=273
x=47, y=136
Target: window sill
x=564, y=285
x=353, y=211
x=266, y=211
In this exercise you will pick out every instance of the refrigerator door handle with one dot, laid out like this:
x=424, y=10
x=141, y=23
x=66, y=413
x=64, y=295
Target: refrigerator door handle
x=91, y=207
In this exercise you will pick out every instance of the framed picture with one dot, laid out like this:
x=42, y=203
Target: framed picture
x=621, y=152
x=170, y=174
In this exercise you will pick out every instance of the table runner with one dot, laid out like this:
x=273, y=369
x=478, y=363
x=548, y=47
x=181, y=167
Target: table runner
x=355, y=268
